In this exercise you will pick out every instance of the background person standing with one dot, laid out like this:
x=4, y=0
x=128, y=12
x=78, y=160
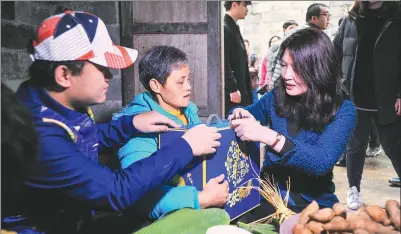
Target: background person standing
x=237, y=80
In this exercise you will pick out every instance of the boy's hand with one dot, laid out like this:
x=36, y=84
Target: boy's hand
x=215, y=193
x=153, y=121
x=202, y=139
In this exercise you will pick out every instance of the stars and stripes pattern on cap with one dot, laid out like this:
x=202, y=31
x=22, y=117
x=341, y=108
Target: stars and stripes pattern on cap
x=76, y=35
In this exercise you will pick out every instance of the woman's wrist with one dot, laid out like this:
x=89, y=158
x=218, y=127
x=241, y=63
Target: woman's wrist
x=269, y=136
x=273, y=139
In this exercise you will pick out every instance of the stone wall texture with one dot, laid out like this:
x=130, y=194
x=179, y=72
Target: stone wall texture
x=18, y=25
x=265, y=19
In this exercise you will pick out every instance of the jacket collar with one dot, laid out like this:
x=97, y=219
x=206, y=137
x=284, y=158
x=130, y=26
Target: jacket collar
x=37, y=98
x=145, y=102
x=230, y=21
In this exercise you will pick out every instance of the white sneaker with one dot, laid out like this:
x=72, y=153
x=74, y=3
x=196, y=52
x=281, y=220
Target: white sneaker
x=354, y=200
x=374, y=152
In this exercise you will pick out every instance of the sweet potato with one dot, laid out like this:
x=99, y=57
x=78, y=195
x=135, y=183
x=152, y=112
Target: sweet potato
x=370, y=226
x=323, y=215
x=358, y=215
x=337, y=224
x=387, y=222
x=361, y=231
x=359, y=221
x=315, y=227
x=386, y=230
x=377, y=213
x=339, y=210
x=312, y=208
x=393, y=211
x=301, y=229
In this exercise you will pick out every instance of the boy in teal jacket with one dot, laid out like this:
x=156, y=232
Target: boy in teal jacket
x=164, y=72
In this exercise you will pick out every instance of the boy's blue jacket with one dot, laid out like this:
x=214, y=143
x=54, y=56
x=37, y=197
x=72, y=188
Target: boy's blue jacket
x=142, y=146
x=67, y=175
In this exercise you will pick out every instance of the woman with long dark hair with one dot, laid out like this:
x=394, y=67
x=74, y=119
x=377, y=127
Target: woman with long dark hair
x=310, y=122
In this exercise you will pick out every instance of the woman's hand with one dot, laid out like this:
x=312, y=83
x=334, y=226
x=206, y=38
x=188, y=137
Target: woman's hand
x=240, y=113
x=215, y=193
x=248, y=129
x=398, y=106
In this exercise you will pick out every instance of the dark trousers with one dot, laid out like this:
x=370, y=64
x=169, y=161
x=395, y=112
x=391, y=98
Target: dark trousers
x=390, y=139
x=374, y=141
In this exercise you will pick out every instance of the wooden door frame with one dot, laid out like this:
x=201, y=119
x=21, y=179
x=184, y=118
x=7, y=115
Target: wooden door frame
x=214, y=66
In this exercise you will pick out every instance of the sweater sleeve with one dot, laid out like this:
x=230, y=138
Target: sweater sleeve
x=116, y=133
x=175, y=198
x=318, y=159
x=67, y=172
x=261, y=109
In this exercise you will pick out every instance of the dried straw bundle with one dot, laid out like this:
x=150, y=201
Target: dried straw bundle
x=270, y=191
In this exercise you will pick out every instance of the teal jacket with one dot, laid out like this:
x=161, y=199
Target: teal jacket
x=146, y=144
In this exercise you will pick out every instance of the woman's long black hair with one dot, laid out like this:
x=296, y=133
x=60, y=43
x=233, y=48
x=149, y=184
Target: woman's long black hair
x=315, y=61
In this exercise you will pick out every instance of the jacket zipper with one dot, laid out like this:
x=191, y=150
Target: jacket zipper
x=384, y=28
x=386, y=25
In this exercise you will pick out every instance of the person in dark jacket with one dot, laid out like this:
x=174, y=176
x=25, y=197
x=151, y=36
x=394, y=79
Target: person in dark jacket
x=237, y=88
x=73, y=53
x=368, y=42
x=19, y=147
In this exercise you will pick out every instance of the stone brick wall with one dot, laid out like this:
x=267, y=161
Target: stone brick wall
x=18, y=24
x=265, y=19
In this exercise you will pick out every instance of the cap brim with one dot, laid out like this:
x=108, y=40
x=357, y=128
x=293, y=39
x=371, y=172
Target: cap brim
x=116, y=57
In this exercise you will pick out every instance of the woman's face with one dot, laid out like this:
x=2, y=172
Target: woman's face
x=294, y=83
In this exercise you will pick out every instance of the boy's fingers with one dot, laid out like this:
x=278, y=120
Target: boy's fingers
x=216, y=136
x=215, y=144
x=167, y=121
x=159, y=128
x=219, y=178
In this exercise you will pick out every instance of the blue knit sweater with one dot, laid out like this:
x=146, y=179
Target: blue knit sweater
x=310, y=163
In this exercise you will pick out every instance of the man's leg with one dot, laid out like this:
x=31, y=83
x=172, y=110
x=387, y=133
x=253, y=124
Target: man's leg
x=356, y=152
x=374, y=148
x=390, y=138
x=188, y=221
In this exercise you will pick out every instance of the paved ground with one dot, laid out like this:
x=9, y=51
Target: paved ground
x=375, y=189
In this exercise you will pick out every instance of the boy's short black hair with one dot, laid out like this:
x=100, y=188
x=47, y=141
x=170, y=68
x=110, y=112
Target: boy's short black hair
x=159, y=62
x=289, y=23
x=41, y=72
x=19, y=147
x=314, y=10
x=229, y=4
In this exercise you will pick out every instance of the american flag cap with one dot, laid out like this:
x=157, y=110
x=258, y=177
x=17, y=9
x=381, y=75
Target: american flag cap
x=77, y=35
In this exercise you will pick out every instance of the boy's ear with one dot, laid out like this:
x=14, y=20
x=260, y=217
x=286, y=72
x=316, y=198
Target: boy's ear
x=62, y=76
x=155, y=86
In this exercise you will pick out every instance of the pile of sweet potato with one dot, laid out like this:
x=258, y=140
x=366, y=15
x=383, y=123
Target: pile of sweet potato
x=366, y=220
